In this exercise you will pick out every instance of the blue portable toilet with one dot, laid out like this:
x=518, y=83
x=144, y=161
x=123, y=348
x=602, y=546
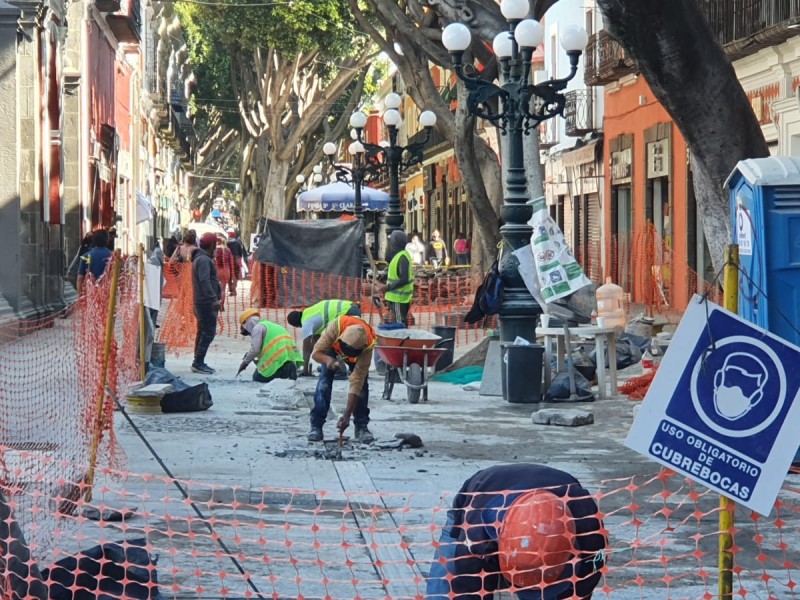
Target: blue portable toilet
x=765, y=221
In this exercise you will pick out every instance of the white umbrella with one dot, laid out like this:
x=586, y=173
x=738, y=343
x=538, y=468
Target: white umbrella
x=341, y=197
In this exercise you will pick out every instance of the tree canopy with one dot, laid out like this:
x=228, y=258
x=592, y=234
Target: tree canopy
x=283, y=74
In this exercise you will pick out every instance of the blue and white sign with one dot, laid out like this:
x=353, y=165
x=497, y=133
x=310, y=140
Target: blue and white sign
x=723, y=408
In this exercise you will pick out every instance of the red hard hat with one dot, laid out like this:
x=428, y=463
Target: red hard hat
x=536, y=539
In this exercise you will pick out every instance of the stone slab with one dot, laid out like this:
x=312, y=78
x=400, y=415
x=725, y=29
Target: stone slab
x=491, y=383
x=566, y=417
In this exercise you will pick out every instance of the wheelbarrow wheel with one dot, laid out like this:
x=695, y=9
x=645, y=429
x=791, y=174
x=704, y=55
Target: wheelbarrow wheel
x=414, y=377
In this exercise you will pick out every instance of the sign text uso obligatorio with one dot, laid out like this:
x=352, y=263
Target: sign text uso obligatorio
x=705, y=460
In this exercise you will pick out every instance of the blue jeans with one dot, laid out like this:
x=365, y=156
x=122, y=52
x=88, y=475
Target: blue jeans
x=473, y=587
x=322, y=398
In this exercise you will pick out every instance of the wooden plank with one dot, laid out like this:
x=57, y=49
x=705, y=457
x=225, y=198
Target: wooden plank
x=393, y=560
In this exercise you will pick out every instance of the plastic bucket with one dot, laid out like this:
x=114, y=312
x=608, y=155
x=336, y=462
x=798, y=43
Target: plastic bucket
x=448, y=335
x=521, y=368
x=158, y=355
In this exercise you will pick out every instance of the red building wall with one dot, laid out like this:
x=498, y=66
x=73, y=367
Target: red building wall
x=631, y=110
x=101, y=107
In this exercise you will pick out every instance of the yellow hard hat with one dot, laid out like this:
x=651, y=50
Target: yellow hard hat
x=246, y=314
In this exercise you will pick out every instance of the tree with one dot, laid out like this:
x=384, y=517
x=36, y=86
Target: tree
x=286, y=66
x=417, y=34
x=690, y=75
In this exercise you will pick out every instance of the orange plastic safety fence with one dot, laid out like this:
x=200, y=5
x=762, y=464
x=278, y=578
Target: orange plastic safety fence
x=661, y=529
x=51, y=384
x=647, y=268
x=440, y=300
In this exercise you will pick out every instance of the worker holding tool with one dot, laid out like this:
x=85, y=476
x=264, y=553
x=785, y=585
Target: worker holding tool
x=271, y=348
x=315, y=319
x=346, y=342
x=527, y=528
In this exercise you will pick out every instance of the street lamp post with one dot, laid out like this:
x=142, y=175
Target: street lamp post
x=392, y=156
x=356, y=174
x=522, y=106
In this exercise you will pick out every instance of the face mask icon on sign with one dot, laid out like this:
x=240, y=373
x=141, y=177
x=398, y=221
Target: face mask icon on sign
x=739, y=385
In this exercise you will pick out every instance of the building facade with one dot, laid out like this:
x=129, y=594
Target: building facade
x=90, y=136
x=572, y=145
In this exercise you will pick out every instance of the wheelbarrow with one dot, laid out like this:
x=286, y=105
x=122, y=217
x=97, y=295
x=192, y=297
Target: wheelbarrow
x=409, y=354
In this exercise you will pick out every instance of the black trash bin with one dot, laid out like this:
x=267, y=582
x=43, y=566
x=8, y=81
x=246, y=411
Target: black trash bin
x=448, y=335
x=521, y=368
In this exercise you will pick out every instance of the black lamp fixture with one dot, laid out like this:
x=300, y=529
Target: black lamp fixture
x=521, y=106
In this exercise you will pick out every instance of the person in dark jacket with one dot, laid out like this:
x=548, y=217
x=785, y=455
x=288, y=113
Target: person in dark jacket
x=526, y=527
x=207, y=300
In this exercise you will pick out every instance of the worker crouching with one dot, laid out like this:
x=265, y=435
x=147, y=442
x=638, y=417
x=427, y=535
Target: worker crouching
x=271, y=348
x=529, y=529
x=347, y=341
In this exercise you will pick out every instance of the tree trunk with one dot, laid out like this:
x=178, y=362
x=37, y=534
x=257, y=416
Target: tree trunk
x=487, y=227
x=693, y=79
x=274, y=186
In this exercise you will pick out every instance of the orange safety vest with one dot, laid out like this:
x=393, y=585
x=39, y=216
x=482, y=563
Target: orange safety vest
x=343, y=323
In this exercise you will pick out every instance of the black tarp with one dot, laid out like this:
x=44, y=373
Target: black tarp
x=334, y=249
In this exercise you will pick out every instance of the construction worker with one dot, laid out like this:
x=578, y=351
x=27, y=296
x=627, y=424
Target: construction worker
x=315, y=319
x=527, y=528
x=271, y=348
x=348, y=340
x=400, y=280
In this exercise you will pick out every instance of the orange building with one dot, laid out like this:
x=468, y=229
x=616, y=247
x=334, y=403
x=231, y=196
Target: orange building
x=654, y=241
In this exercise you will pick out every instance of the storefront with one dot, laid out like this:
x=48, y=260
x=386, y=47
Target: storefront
x=583, y=171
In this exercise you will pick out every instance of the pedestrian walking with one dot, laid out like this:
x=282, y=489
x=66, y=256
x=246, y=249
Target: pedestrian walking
x=461, y=249
x=271, y=348
x=400, y=280
x=187, y=248
x=437, y=250
x=237, y=251
x=315, y=319
x=417, y=250
x=527, y=528
x=94, y=261
x=207, y=300
x=223, y=258
x=157, y=260
x=346, y=342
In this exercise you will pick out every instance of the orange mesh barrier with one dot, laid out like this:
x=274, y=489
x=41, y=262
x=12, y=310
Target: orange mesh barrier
x=50, y=384
x=647, y=269
x=442, y=300
x=178, y=324
x=343, y=543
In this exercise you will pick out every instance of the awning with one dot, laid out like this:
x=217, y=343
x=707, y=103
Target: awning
x=580, y=156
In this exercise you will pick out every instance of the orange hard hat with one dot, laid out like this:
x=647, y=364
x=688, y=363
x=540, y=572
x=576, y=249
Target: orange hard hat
x=536, y=539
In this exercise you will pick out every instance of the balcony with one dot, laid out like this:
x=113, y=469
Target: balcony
x=126, y=23
x=579, y=113
x=743, y=27
x=606, y=60
x=178, y=133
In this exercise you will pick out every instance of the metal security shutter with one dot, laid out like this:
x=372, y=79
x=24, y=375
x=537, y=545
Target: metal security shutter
x=569, y=219
x=593, y=238
x=579, y=239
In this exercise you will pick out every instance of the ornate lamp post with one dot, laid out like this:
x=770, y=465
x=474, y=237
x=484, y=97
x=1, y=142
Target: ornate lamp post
x=390, y=155
x=522, y=106
x=355, y=174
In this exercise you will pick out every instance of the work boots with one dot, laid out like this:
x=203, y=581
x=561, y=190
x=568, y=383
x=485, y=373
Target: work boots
x=315, y=435
x=364, y=435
